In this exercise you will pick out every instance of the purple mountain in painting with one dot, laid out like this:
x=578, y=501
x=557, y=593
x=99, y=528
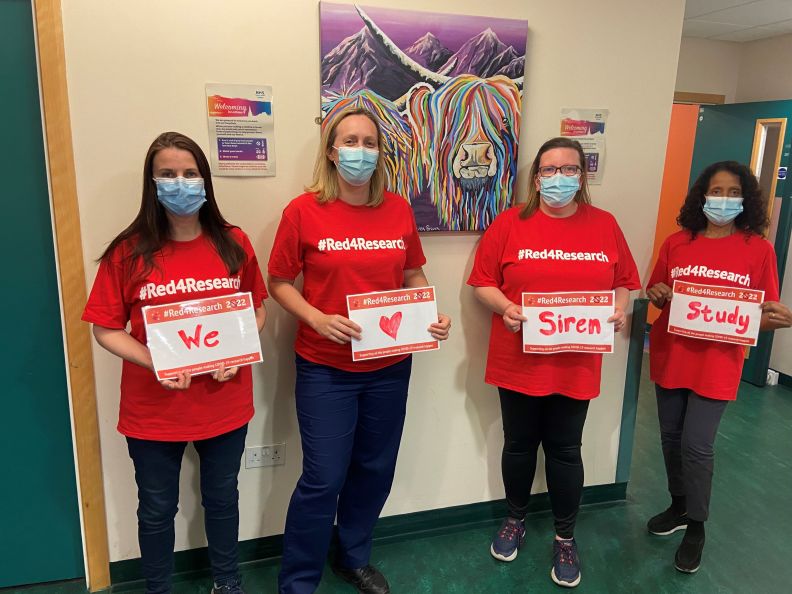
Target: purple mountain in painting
x=429, y=52
x=514, y=69
x=483, y=55
x=358, y=62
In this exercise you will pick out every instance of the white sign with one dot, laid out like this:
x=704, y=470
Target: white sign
x=568, y=322
x=723, y=314
x=393, y=322
x=197, y=336
x=241, y=129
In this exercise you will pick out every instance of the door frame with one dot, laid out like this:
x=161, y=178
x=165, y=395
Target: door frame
x=758, y=148
x=48, y=26
x=758, y=359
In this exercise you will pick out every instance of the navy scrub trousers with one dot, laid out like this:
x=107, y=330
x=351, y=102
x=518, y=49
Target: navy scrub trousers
x=350, y=426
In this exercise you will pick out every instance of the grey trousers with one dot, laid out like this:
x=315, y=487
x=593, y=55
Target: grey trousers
x=688, y=426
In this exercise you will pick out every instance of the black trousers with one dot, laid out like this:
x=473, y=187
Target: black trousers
x=688, y=427
x=557, y=423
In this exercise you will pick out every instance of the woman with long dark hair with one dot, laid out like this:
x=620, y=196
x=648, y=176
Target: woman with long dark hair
x=556, y=242
x=179, y=247
x=722, y=243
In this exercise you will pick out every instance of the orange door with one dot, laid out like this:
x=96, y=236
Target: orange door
x=676, y=177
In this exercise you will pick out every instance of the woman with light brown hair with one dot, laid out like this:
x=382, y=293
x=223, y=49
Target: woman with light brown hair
x=555, y=242
x=346, y=235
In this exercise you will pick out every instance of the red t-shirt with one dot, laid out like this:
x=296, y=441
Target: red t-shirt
x=584, y=252
x=707, y=367
x=342, y=250
x=183, y=270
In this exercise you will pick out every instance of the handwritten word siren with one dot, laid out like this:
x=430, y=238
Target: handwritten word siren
x=561, y=255
x=561, y=324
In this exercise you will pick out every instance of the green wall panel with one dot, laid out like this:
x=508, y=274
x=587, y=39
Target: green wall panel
x=39, y=516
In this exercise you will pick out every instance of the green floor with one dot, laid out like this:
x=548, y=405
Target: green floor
x=748, y=546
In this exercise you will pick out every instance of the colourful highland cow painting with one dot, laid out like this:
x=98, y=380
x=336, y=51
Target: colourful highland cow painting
x=447, y=90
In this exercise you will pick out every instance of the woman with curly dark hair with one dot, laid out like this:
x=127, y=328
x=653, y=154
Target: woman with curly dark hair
x=721, y=243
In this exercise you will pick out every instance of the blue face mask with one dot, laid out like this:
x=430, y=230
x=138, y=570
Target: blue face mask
x=356, y=164
x=558, y=190
x=181, y=196
x=722, y=210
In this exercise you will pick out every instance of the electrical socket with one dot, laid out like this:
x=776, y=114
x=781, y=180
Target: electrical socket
x=265, y=455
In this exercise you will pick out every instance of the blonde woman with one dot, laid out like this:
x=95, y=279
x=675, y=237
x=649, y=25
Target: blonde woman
x=346, y=235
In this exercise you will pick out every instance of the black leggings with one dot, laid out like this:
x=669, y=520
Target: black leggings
x=557, y=423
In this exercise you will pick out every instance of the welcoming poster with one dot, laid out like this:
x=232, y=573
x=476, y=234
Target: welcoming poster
x=393, y=322
x=587, y=126
x=241, y=130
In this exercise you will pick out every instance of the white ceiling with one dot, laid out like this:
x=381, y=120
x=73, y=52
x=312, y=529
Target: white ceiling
x=737, y=20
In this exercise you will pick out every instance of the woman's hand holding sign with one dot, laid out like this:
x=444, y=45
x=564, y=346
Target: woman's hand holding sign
x=618, y=318
x=181, y=382
x=659, y=294
x=513, y=317
x=223, y=375
x=439, y=330
x=335, y=327
x=775, y=315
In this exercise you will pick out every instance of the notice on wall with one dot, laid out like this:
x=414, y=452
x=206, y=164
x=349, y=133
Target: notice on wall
x=393, y=322
x=568, y=322
x=722, y=314
x=241, y=130
x=587, y=126
x=197, y=336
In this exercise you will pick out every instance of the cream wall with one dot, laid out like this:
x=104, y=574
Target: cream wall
x=136, y=69
x=766, y=70
x=751, y=71
x=709, y=66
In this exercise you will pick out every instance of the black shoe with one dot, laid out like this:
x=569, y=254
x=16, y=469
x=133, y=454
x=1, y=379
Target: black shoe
x=688, y=555
x=367, y=580
x=234, y=587
x=667, y=522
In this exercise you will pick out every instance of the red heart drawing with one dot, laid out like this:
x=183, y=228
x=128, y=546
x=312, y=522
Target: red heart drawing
x=390, y=326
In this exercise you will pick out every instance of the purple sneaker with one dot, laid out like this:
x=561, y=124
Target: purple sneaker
x=508, y=540
x=566, y=563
